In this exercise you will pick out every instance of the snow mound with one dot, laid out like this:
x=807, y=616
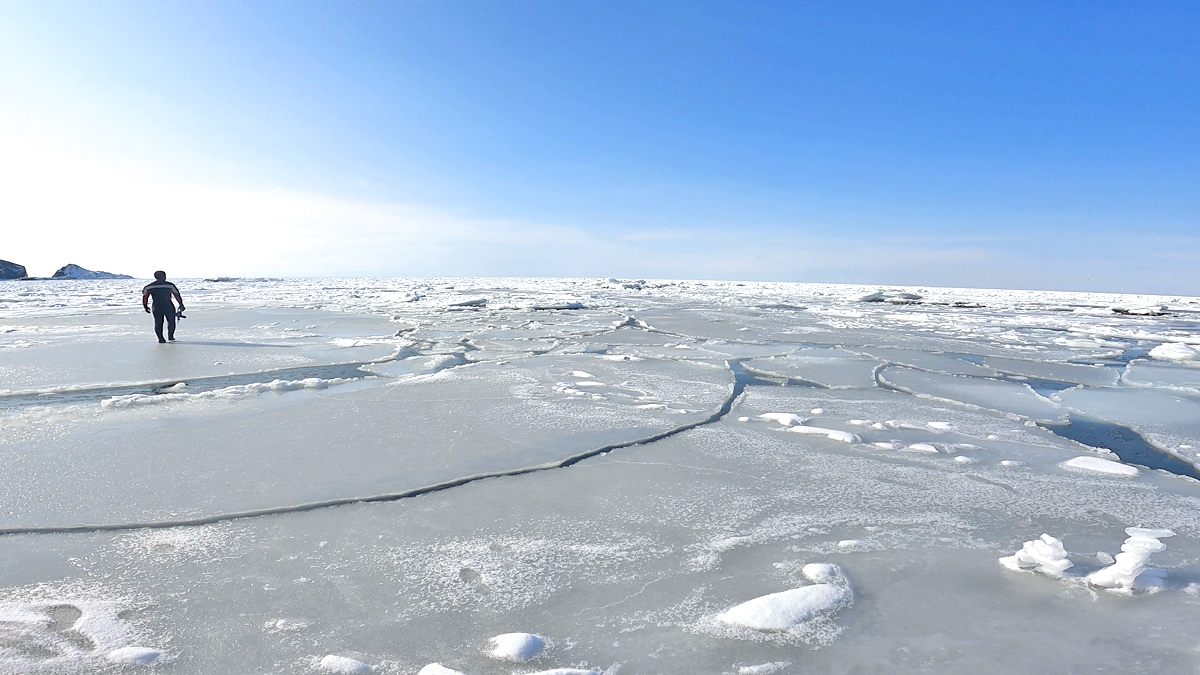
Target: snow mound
x=1130, y=563
x=1045, y=554
x=788, y=609
x=822, y=573
x=831, y=434
x=344, y=665
x=135, y=655
x=763, y=668
x=438, y=669
x=1099, y=465
x=516, y=647
x=786, y=419
x=1175, y=351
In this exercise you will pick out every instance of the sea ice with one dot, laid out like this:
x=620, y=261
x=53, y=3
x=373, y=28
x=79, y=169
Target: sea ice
x=627, y=513
x=1092, y=376
x=1009, y=397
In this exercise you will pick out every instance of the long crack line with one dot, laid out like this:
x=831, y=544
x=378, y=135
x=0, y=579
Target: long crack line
x=738, y=386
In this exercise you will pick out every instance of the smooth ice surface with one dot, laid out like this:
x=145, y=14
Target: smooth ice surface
x=1015, y=398
x=661, y=476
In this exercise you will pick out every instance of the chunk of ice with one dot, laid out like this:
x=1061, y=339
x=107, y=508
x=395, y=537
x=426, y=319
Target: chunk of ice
x=831, y=434
x=516, y=647
x=788, y=609
x=1130, y=563
x=1045, y=554
x=1099, y=465
x=1176, y=351
x=344, y=665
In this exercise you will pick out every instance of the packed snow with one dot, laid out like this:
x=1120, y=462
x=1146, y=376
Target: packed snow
x=516, y=647
x=403, y=475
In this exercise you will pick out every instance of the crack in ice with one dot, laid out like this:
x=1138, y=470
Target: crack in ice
x=739, y=385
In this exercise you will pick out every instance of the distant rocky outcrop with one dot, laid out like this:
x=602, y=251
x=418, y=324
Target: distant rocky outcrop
x=76, y=272
x=10, y=270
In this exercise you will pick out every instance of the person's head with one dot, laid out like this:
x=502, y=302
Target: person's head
x=160, y=275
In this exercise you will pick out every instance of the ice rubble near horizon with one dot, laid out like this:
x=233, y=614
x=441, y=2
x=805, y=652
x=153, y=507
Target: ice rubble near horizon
x=962, y=355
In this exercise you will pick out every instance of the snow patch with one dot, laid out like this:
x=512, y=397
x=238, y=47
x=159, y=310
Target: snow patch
x=344, y=665
x=1099, y=465
x=516, y=647
x=788, y=609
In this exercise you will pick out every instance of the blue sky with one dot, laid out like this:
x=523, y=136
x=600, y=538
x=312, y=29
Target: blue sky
x=1018, y=146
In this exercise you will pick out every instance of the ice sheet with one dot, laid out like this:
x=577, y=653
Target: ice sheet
x=1014, y=398
x=622, y=561
x=832, y=368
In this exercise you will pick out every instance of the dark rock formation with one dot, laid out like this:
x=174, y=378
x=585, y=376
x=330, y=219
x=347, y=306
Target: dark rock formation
x=76, y=272
x=10, y=270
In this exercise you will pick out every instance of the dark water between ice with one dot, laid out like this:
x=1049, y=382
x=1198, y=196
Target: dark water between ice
x=1126, y=443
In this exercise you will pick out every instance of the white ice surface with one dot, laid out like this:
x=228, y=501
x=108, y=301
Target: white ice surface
x=1008, y=397
x=627, y=557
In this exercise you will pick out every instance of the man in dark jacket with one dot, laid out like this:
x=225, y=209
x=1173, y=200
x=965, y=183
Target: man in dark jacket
x=162, y=291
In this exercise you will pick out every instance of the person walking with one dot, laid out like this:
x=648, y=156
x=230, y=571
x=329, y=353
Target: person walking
x=162, y=291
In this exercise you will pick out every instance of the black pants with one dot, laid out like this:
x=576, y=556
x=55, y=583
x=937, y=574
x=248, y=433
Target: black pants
x=167, y=313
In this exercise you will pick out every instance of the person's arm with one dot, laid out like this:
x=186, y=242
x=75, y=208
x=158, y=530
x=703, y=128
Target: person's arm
x=146, y=300
x=175, y=292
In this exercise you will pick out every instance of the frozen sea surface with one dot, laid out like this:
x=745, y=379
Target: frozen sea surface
x=488, y=476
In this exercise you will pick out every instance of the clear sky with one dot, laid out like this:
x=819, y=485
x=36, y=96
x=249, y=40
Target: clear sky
x=1022, y=145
